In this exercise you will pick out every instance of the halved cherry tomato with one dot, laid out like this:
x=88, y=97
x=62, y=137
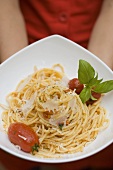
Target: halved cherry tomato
x=24, y=136
x=95, y=95
x=75, y=84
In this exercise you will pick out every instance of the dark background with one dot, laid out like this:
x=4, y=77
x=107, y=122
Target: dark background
x=100, y=161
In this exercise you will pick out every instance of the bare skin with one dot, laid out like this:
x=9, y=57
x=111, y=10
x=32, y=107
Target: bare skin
x=101, y=40
x=13, y=36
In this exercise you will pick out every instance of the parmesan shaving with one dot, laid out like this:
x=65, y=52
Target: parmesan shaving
x=24, y=83
x=50, y=105
x=72, y=104
x=65, y=81
x=29, y=104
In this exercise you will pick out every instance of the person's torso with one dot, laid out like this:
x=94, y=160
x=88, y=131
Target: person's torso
x=73, y=19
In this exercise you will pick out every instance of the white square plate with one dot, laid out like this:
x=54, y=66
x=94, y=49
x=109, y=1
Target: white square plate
x=45, y=53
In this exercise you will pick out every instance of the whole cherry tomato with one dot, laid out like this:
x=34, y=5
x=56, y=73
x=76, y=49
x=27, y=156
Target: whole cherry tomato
x=95, y=95
x=24, y=136
x=75, y=84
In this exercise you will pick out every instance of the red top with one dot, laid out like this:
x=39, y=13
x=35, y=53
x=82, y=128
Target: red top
x=73, y=19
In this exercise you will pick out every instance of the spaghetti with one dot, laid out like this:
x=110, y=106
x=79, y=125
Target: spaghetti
x=62, y=122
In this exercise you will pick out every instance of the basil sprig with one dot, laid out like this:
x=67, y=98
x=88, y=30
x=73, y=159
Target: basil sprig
x=88, y=77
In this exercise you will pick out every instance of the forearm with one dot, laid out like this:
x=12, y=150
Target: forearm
x=101, y=41
x=13, y=35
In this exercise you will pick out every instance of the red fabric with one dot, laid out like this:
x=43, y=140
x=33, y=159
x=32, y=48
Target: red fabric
x=73, y=19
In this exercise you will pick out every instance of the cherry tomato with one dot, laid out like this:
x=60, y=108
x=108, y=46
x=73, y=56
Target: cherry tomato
x=75, y=84
x=24, y=136
x=95, y=95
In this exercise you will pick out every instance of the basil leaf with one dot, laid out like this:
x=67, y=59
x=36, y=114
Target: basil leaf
x=85, y=72
x=61, y=126
x=104, y=87
x=88, y=77
x=85, y=94
x=94, y=82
